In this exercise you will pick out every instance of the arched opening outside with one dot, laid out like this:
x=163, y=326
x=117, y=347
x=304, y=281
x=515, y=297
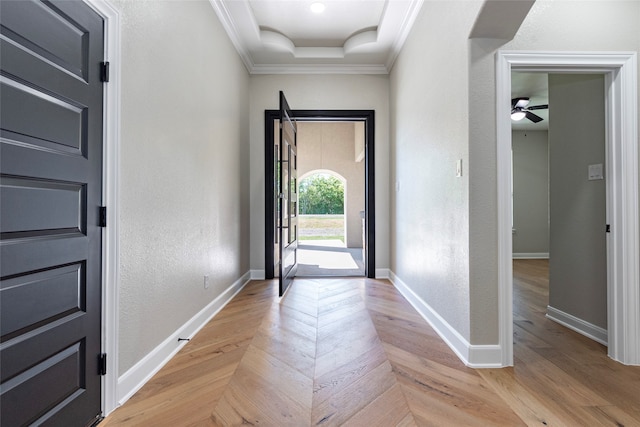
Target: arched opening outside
x=323, y=244
x=322, y=202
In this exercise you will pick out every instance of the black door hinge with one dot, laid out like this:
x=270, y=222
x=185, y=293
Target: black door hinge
x=103, y=364
x=608, y=229
x=102, y=222
x=104, y=72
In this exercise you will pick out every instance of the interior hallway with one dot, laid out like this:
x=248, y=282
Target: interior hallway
x=354, y=352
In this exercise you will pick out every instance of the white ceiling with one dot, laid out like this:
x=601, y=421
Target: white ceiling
x=535, y=86
x=350, y=36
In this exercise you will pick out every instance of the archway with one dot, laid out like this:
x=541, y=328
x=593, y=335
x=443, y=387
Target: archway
x=322, y=204
x=330, y=228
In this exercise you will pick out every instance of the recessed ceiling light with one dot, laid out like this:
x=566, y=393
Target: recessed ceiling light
x=317, y=7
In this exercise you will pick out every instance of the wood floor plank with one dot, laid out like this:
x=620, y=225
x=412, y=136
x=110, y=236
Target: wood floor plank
x=291, y=348
x=526, y=405
x=430, y=411
x=352, y=351
x=329, y=381
x=291, y=321
x=619, y=386
x=351, y=399
x=236, y=409
x=567, y=373
x=555, y=382
x=342, y=315
x=338, y=301
x=356, y=327
x=338, y=288
x=344, y=351
x=425, y=345
x=174, y=404
x=444, y=386
x=614, y=416
x=389, y=409
x=189, y=368
x=269, y=405
x=291, y=314
x=281, y=377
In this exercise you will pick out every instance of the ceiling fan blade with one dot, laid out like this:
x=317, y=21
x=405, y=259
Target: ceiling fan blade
x=534, y=118
x=539, y=107
x=519, y=102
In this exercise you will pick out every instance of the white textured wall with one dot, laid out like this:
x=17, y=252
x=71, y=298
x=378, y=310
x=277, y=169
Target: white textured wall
x=444, y=230
x=549, y=26
x=183, y=172
x=320, y=92
x=429, y=133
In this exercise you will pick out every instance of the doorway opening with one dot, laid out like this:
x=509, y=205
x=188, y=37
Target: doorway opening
x=620, y=78
x=326, y=221
x=332, y=243
x=559, y=211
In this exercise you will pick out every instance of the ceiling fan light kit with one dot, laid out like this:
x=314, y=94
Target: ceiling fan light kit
x=519, y=110
x=517, y=114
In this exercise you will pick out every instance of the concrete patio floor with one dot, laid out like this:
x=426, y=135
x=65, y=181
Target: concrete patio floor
x=328, y=258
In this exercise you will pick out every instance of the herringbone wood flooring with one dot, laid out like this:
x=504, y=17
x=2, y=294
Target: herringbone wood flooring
x=354, y=352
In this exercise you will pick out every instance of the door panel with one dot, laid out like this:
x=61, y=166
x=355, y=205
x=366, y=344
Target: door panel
x=288, y=200
x=50, y=194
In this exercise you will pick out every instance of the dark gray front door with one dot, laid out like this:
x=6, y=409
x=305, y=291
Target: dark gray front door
x=50, y=195
x=288, y=196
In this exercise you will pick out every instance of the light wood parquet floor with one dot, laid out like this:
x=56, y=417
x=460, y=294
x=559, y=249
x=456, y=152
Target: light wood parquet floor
x=352, y=351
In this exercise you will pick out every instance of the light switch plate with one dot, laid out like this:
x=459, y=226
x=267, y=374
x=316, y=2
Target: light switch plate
x=595, y=172
x=459, y=168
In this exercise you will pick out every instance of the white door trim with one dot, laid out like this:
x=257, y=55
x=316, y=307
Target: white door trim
x=621, y=79
x=110, y=173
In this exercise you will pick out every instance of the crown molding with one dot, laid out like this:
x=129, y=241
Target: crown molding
x=319, y=69
x=227, y=22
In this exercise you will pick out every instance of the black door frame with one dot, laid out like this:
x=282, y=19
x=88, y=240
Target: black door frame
x=366, y=116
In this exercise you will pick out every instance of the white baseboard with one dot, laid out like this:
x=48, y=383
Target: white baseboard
x=485, y=356
x=531, y=255
x=382, y=273
x=132, y=380
x=578, y=325
x=474, y=356
x=258, y=274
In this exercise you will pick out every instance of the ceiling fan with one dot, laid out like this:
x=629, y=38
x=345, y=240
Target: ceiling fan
x=519, y=110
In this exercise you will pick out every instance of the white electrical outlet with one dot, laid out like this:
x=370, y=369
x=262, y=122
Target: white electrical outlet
x=206, y=282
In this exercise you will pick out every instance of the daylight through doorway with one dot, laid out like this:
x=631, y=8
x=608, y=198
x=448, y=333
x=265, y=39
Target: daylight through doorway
x=322, y=228
x=331, y=198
